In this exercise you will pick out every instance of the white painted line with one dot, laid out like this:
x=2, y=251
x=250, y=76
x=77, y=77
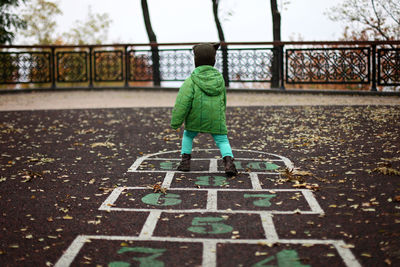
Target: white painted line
x=255, y=182
x=209, y=245
x=269, y=228
x=346, y=254
x=230, y=211
x=203, y=159
x=136, y=164
x=202, y=172
x=154, y=156
x=107, y=204
x=150, y=224
x=213, y=165
x=139, y=161
x=168, y=179
x=69, y=255
x=217, y=240
x=222, y=189
x=209, y=253
x=211, y=200
x=312, y=202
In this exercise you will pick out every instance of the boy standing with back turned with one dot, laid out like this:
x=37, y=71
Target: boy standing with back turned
x=201, y=106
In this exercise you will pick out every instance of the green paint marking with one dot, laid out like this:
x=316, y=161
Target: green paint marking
x=262, y=166
x=284, y=258
x=168, y=165
x=159, y=199
x=209, y=225
x=263, y=262
x=263, y=202
x=271, y=166
x=206, y=180
x=289, y=258
x=256, y=165
x=119, y=264
x=238, y=164
x=144, y=261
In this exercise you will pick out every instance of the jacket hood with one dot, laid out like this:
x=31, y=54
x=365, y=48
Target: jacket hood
x=209, y=80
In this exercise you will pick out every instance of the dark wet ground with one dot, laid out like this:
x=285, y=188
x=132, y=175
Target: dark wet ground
x=58, y=167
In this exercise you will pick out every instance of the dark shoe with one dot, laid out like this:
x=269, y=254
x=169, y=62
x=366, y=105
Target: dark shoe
x=230, y=168
x=184, y=166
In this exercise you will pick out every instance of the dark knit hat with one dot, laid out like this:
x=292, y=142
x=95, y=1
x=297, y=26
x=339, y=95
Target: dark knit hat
x=204, y=54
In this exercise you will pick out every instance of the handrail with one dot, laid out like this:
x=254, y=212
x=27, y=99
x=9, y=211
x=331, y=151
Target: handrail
x=351, y=43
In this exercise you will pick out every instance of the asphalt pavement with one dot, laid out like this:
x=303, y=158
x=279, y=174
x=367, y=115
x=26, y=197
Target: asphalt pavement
x=318, y=186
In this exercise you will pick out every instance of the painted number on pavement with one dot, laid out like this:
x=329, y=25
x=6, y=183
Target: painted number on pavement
x=209, y=225
x=168, y=165
x=144, y=261
x=263, y=201
x=256, y=165
x=159, y=199
x=285, y=258
x=211, y=180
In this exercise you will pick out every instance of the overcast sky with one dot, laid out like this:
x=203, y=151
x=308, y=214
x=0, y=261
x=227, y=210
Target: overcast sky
x=192, y=20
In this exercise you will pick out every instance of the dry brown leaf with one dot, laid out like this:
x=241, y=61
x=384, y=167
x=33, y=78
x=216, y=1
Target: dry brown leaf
x=102, y=144
x=387, y=171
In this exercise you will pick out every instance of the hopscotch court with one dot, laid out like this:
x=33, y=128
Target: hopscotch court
x=207, y=219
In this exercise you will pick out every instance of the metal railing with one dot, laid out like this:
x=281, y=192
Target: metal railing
x=370, y=64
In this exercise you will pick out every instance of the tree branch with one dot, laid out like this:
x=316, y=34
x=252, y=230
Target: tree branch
x=397, y=21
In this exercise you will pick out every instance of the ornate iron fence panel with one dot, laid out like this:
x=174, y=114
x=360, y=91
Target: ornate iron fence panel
x=374, y=63
x=218, y=61
x=140, y=65
x=328, y=65
x=108, y=66
x=389, y=66
x=72, y=66
x=25, y=67
x=176, y=64
x=250, y=65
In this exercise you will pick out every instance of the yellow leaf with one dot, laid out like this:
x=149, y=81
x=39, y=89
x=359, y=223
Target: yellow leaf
x=366, y=255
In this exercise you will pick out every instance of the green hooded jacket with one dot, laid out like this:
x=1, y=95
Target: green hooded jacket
x=201, y=102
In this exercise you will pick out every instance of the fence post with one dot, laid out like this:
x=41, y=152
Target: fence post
x=155, y=56
x=126, y=66
x=90, y=67
x=53, y=68
x=281, y=65
x=225, y=66
x=373, y=88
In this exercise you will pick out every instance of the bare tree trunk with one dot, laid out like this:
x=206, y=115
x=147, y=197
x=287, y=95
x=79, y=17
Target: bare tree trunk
x=224, y=48
x=153, y=41
x=276, y=30
x=276, y=21
x=217, y=22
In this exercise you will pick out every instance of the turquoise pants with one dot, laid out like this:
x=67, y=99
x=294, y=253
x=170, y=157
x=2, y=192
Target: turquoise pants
x=221, y=140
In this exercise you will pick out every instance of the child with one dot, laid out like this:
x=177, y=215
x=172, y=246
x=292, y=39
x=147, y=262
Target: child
x=201, y=105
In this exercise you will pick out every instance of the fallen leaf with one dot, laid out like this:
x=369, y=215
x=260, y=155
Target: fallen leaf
x=102, y=144
x=258, y=253
x=387, y=171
